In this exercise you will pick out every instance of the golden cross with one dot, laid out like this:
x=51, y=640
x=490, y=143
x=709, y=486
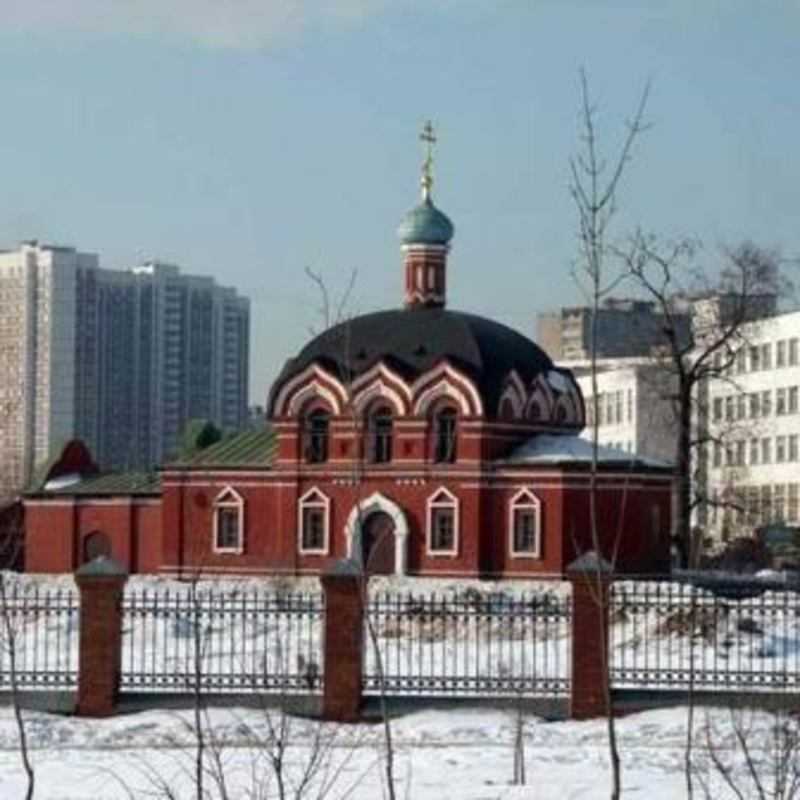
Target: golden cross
x=429, y=138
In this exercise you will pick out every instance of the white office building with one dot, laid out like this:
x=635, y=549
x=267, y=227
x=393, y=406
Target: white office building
x=752, y=463
x=633, y=404
x=120, y=359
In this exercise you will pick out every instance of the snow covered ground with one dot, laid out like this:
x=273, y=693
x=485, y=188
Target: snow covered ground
x=463, y=754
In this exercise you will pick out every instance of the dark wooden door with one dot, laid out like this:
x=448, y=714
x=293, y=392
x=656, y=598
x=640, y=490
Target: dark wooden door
x=377, y=539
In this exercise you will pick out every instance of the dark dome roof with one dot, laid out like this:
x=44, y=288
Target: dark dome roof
x=413, y=341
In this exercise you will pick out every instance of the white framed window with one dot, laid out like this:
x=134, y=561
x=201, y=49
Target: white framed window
x=442, y=538
x=313, y=523
x=228, y=525
x=525, y=525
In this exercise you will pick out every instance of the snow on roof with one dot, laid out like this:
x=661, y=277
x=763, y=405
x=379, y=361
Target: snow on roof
x=546, y=448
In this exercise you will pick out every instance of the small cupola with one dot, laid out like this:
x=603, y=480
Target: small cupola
x=425, y=235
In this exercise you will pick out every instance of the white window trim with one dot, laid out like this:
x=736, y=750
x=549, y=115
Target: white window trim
x=228, y=498
x=314, y=498
x=449, y=501
x=527, y=500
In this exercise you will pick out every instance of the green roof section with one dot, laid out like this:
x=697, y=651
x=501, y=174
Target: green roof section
x=112, y=483
x=243, y=450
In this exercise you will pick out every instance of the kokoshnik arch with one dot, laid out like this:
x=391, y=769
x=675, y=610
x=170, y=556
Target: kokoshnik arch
x=418, y=440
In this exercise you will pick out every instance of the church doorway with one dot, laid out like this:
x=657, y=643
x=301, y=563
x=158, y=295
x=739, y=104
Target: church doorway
x=377, y=543
x=377, y=535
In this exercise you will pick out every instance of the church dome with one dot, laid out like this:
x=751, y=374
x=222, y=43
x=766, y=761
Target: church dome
x=425, y=224
x=412, y=343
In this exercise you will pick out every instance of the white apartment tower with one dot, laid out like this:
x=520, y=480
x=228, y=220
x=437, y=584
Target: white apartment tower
x=634, y=410
x=120, y=359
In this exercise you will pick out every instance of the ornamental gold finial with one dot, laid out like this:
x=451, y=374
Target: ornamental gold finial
x=429, y=138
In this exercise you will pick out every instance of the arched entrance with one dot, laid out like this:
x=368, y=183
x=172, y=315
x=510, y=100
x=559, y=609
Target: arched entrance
x=377, y=543
x=377, y=535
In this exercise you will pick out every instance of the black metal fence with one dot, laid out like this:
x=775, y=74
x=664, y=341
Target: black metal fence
x=222, y=641
x=39, y=626
x=469, y=645
x=741, y=635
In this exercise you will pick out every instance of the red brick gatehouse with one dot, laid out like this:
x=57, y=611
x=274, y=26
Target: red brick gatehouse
x=426, y=441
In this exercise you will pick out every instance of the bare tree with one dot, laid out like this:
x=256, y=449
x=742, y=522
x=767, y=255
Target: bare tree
x=11, y=550
x=594, y=187
x=724, y=305
x=753, y=754
x=334, y=316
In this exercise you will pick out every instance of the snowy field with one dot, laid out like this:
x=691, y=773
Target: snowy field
x=463, y=754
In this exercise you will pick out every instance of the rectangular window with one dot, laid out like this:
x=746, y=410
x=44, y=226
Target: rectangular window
x=741, y=360
x=780, y=402
x=779, y=502
x=753, y=505
x=792, y=399
x=755, y=359
x=729, y=455
x=729, y=407
x=313, y=534
x=740, y=456
x=766, y=356
x=755, y=405
x=619, y=405
x=526, y=538
x=630, y=405
x=717, y=454
x=780, y=353
x=741, y=406
x=717, y=414
x=227, y=531
x=443, y=530
x=793, y=354
x=780, y=449
x=753, y=452
x=766, y=403
x=766, y=450
x=766, y=504
x=794, y=502
x=792, y=456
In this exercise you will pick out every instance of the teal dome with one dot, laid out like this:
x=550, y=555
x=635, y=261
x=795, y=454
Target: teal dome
x=425, y=224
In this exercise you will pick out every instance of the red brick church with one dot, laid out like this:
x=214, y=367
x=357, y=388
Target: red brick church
x=420, y=440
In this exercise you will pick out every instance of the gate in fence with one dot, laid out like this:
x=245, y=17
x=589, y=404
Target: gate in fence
x=671, y=635
x=208, y=639
x=481, y=645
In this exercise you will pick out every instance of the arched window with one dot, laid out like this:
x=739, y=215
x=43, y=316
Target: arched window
x=315, y=434
x=445, y=441
x=313, y=523
x=96, y=544
x=380, y=436
x=443, y=524
x=228, y=522
x=524, y=523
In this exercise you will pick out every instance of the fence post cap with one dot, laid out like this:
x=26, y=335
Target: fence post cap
x=590, y=562
x=102, y=567
x=344, y=568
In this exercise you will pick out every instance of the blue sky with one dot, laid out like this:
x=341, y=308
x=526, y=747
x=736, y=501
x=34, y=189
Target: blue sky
x=250, y=139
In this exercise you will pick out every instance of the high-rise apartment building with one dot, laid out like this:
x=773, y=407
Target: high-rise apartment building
x=120, y=359
x=625, y=328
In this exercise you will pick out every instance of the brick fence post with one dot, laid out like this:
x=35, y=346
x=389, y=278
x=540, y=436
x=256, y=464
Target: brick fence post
x=343, y=641
x=590, y=576
x=101, y=583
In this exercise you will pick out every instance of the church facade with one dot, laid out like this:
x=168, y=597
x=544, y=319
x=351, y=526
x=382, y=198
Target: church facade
x=418, y=441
